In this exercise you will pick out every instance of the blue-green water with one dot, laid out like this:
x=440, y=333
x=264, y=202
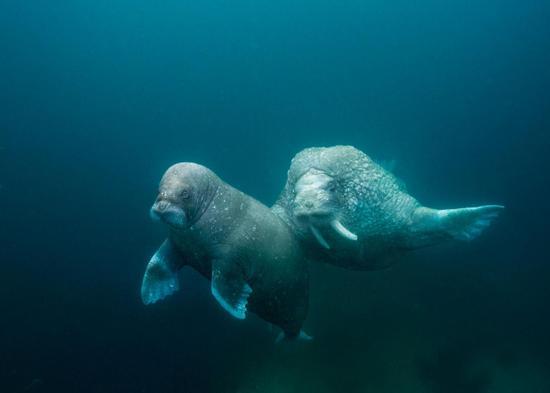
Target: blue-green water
x=98, y=98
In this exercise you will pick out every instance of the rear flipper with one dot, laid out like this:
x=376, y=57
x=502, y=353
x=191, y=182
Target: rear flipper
x=161, y=275
x=285, y=336
x=467, y=223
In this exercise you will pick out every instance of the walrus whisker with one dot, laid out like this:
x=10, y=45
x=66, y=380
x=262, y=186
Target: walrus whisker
x=319, y=237
x=342, y=230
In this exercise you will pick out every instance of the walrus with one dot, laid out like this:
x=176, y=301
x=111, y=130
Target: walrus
x=351, y=212
x=250, y=255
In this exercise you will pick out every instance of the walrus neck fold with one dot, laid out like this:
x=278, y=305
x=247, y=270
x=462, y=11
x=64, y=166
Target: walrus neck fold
x=210, y=190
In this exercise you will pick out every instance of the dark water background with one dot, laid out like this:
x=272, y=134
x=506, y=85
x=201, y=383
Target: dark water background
x=97, y=98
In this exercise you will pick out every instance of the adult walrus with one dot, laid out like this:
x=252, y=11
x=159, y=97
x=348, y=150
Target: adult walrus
x=353, y=213
x=252, y=258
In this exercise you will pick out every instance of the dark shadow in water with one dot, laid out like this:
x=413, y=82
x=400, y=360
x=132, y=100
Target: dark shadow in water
x=452, y=370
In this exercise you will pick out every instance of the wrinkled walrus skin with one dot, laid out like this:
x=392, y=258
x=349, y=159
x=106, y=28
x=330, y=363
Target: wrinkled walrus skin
x=250, y=255
x=350, y=212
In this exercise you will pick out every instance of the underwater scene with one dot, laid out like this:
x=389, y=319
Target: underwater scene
x=259, y=196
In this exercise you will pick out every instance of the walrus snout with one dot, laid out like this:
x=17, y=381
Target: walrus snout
x=167, y=212
x=155, y=216
x=313, y=205
x=161, y=205
x=311, y=214
x=315, y=196
x=316, y=209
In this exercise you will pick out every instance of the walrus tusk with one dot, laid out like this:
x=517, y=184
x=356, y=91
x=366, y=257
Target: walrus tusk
x=342, y=230
x=319, y=237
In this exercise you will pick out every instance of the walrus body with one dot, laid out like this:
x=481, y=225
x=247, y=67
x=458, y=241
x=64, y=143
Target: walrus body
x=351, y=212
x=250, y=255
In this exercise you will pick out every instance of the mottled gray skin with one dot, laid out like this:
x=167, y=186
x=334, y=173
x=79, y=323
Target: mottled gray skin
x=253, y=259
x=342, y=183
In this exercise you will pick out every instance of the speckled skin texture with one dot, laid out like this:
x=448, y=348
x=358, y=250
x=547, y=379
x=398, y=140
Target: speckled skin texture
x=369, y=201
x=230, y=226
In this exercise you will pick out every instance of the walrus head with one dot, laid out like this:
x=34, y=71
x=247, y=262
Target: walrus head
x=316, y=204
x=185, y=192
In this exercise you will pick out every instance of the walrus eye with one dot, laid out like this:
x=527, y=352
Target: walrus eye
x=184, y=194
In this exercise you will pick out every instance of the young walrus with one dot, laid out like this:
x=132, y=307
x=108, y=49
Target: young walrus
x=252, y=258
x=351, y=212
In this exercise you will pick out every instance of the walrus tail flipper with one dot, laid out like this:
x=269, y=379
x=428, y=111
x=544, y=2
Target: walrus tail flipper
x=468, y=223
x=432, y=226
x=229, y=287
x=160, y=279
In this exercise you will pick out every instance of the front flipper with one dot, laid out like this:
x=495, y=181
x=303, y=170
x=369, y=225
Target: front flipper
x=161, y=275
x=229, y=287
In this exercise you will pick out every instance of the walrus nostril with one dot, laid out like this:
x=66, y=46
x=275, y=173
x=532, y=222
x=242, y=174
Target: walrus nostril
x=160, y=206
x=309, y=204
